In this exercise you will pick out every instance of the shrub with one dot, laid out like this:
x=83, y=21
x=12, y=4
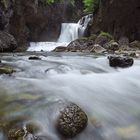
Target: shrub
x=106, y=34
x=90, y=5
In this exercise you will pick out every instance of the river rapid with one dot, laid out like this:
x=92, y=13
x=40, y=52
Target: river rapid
x=39, y=88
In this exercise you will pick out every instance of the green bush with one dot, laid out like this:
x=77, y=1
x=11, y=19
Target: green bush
x=106, y=34
x=90, y=5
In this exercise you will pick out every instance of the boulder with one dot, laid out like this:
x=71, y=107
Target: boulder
x=34, y=58
x=135, y=44
x=7, y=42
x=16, y=133
x=59, y=49
x=5, y=69
x=71, y=121
x=102, y=39
x=123, y=41
x=117, y=61
x=82, y=44
x=112, y=45
x=97, y=49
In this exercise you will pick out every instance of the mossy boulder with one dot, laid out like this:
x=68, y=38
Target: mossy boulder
x=5, y=69
x=71, y=121
x=103, y=38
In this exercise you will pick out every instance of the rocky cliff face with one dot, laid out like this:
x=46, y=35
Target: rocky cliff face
x=118, y=17
x=33, y=20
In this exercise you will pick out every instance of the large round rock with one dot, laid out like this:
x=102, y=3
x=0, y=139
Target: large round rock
x=71, y=121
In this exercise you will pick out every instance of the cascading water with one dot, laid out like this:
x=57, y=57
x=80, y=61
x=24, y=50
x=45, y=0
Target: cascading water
x=69, y=32
x=83, y=22
x=72, y=31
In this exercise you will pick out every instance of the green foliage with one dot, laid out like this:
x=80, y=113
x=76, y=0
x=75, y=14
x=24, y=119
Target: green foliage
x=90, y=5
x=106, y=34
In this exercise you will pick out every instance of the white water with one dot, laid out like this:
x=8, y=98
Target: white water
x=45, y=46
x=69, y=32
x=39, y=88
x=83, y=22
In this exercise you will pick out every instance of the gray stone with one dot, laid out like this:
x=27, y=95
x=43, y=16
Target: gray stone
x=71, y=121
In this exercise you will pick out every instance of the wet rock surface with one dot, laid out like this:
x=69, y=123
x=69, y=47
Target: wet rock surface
x=117, y=61
x=16, y=133
x=71, y=121
x=5, y=69
x=60, y=49
x=34, y=58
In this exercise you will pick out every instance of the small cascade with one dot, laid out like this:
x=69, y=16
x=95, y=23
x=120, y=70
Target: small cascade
x=83, y=22
x=69, y=32
x=72, y=31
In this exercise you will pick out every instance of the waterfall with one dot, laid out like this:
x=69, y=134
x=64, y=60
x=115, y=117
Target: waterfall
x=69, y=32
x=83, y=22
x=72, y=31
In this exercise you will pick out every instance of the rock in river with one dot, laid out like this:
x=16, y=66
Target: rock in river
x=5, y=69
x=117, y=61
x=34, y=58
x=71, y=121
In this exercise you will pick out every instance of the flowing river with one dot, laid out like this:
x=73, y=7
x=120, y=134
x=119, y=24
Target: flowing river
x=40, y=87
